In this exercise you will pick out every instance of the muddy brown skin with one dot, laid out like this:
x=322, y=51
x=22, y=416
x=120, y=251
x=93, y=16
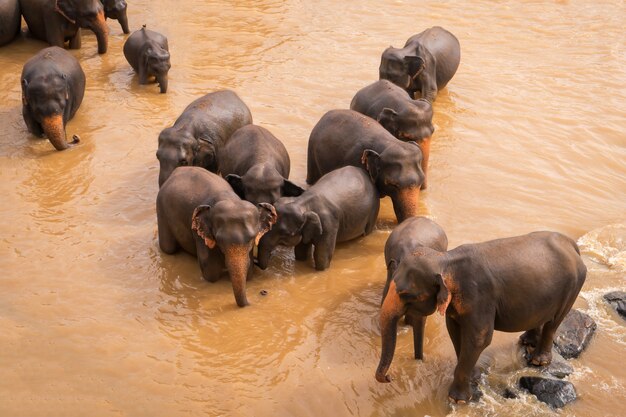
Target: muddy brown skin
x=116, y=9
x=58, y=21
x=148, y=53
x=10, y=20
x=425, y=64
x=53, y=85
x=346, y=137
x=525, y=283
x=256, y=164
x=197, y=211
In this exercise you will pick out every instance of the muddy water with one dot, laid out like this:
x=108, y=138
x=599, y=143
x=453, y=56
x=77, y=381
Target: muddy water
x=95, y=320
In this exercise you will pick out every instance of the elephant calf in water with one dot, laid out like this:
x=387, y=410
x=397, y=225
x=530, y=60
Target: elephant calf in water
x=147, y=52
x=525, y=283
x=116, y=9
x=199, y=212
x=341, y=206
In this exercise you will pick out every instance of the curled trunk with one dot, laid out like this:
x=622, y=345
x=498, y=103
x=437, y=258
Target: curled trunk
x=237, y=259
x=390, y=313
x=54, y=129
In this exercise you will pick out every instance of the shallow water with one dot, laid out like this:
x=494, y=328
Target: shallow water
x=95, y=320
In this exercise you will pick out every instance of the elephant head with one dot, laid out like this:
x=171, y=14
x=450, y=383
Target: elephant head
x=178, y=147
x=263, y=184
x=157, y=62
x=86, y=14
x=234, y=226
x=397, y=173
x=412, y=122
x=116, y=9
x=401, y=66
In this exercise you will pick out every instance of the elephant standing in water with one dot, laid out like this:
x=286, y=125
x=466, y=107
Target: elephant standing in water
x=56, y=21
x=10, y=20
x=148, y=53
x=116, y=9
x=53, y=85
x=426, y=64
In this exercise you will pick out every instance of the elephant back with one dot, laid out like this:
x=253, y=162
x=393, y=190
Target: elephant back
x=10, y=20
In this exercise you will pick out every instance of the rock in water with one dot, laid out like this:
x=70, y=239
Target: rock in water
x=617, y=300
x=574, y=334
x=554, y=392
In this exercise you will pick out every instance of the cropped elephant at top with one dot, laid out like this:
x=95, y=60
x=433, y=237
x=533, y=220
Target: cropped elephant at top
x=200, y=131
x=396, y=111
x=53, y=86
x=346, y=137
x=256, y=164
x=56, y=21
x=525, y=283
x=10, y=20
x=341, y=206
x=116, y=9
x=425, y=64
x=199, y=212
x=148, y=53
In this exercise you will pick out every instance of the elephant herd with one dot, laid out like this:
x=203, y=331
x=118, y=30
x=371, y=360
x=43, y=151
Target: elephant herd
x=224, y=189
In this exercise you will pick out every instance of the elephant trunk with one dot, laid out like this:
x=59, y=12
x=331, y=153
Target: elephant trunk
x=406, y=203
x=162, y=80
x=54, y=129
x=393, y=308
x=425, y=147
x=123, y=19
x=237, y=259
x=100, y=28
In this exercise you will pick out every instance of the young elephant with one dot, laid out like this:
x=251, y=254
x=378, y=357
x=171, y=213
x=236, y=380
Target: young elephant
x=199, y=212
x=525, y=283
x=10, y=20
x=426, y=64
x=147, y=52
x=409, y=237
x=345, y=137
x=200, y=131
x=116, y=9
x=341, y=206
x=256, y=164
x=53, y=85
x=396, y=111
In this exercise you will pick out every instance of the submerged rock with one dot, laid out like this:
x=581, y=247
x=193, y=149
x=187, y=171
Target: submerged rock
x=617, y=300
x=554, y=392
x=510, y=394
x=574, y=334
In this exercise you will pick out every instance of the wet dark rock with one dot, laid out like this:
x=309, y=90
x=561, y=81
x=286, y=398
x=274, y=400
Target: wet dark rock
x=510, y=394
x=263, y=292
x=617, y=300
x=477, y=394
x=554, y=392
x=574, y=334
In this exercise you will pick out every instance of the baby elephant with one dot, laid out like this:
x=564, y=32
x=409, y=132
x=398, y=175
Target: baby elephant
x=116, y=9
x=521, y=283
x=147, y=52
x=256, y=164
x=53, y=85
x=409, y=237
x=199, y=212
x=396, y=111
x=341, y=206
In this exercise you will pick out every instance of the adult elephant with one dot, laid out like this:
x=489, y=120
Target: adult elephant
x=116, y=9
x=346, y=137
x=425, y=64
x=10, y=20
x=407, y=239
x=56, y=21
x=256, y=164
x=53, y=85
x=198, y=212
x=200, y=131
x=524, y=283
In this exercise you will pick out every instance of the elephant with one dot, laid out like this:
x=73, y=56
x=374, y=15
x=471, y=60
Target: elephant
x=346, y=137
x=200, y=131
x=524, y=283
x=116, y=9
x=198, y=212
x=256, y=164
x=396, y=111
x=341, y=206
x=53, y=86
x=56, y=21
x=147, y=52
x=407, y=238
x=426, y=64
x=10, y=21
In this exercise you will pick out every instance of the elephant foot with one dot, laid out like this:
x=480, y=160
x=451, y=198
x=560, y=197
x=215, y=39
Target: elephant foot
x=540, y=358
x=459, y=396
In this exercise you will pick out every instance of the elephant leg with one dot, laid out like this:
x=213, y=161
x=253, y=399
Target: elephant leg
x=211, y=262
x=167, y=241
x=419, y=324
x=75, y=41
x=530, y=338
x=54, y=34
x=143, y=74
x=454, y=332
x=302, y=251
x=542, y=355
x=33, y=127
x=323, y=250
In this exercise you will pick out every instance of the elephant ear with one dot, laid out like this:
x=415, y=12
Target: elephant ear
x=201, y=227
x=443, y=296
x=24, y=91
x=236, y=183
x=413, y=65
x=387, y=119
x=291, y=189
x=64, y=9
x=311, y=228
x=371, y=160
x=204, y=153
x=267, y=218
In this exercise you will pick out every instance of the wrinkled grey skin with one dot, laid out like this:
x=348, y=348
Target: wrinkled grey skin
x=200, y=131
x=148, y=53
x=346, y=137
x=341, y=206
x=53, y=85
x=116, y=9
x=256, y=164
x=524, y=283
x=407, y=239
x=10, y=20
x=426, y=64
x=57, y=21
x=198, y=212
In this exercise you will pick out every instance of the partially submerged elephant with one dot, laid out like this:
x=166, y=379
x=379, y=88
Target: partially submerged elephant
x=10, y=20
x=524, y=283
x=148, y=53
x=425, y=64
x=56, y=21
x=198, y=212
x=53, y=85
x=116, y=9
